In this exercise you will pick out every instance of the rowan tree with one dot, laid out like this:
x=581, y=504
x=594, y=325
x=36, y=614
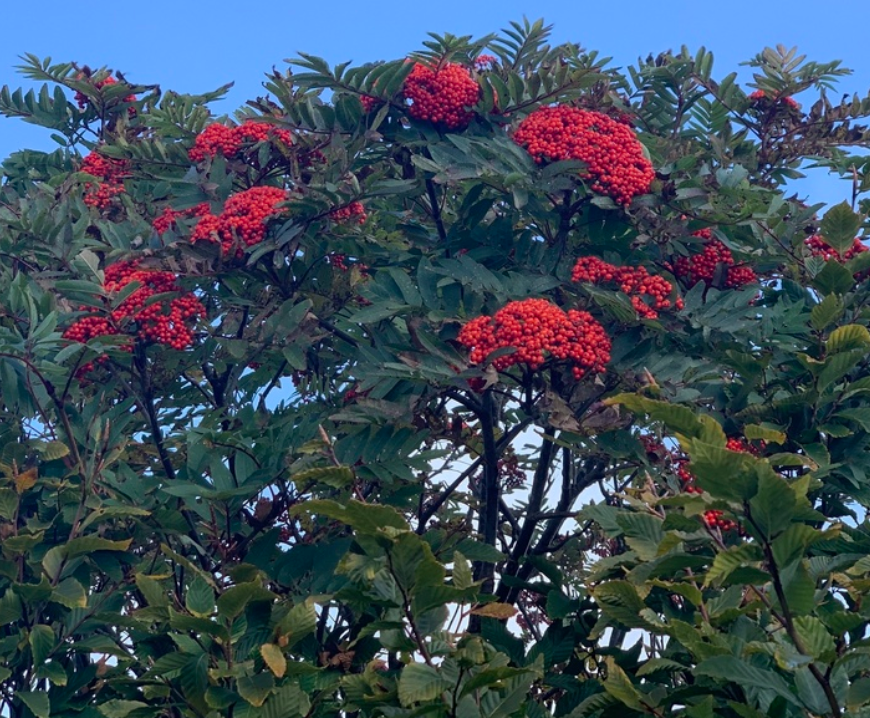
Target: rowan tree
x=491, y=381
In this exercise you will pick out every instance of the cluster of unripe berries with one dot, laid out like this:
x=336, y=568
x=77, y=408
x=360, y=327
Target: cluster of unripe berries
x=537, y=330
x=649, y=294
x=231, y=142
x=441, y=94
x=167, y=321
x=242, y=223
x=760, y=97
x=714, y=262
x=112, y=173
x=614, y=158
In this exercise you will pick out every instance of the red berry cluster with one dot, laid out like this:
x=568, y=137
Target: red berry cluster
x=354, y=209
x=167, y=219
x=759, y=96
x=820, y=248
x=715, y=257
x=536, y=328
x=112, y=172
x=636, y=282
x=243, y=221
x=82, y=100
x=613, y=155
x=440, y=95
x=484, y=62
x=168, y=321
x=369, y=103
x=233, y=141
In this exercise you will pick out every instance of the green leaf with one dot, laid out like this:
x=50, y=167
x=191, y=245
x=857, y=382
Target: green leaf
x=37, y=701
x=366, y=518
x=491, y=677
x=730, y=560
x=723, y=473
x=287, y=702
x=200, y=598
x=89, y=544
x=839, y=226
x=816, y=640
x=833, y=279
x=70, y=593
x=119, y=708
x=255, y=689
x=826, y=312
x=677, y=418
x=42, y=642
x=733, y=670
x=418, y=683
x=773, y=507
x=618, y=685
x=461, y=574
x=232, y=602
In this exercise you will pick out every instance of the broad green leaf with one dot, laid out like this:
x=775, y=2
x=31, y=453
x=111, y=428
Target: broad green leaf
x=839, y=226
x=618, y=685
x=200, y=598
x=37, y=701
x=255, y=689
x=733, y=670
x=419, y=683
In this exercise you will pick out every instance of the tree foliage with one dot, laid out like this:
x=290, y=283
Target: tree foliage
x=373, y=400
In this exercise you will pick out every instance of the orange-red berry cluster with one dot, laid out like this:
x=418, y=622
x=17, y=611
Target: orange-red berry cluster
x=243, y=222
x=441, y=95
x=112, y=172
x=649, y=294
x=369, y=103
x=82, y=100
x=820, y=248
x=164, y=222
x=354, y=209
x=537, y=330
x=613, y=155
x=484, y=62
x=715, y=257
x=233, y=141
x=760, y=96
x=168, y=321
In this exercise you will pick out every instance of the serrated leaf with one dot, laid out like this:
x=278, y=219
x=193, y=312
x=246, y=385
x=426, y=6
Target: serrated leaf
x=232, y=602
x=826, y=312
x=814, y=637
x=419, y=683
x=733, y=670
x=289, y=701
x=851, y=336
x=730, y=560
x=619, y=685
x=461, y=574
x=41, y=641
x=255, y=689
x=70, y=593
x=839, y=226
x=200, y=598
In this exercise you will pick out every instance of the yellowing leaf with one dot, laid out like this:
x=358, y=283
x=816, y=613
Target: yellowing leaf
x=274, y=658
x=502, y=611
x=25, y=480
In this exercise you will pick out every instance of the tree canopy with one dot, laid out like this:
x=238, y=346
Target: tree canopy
x=491, y=381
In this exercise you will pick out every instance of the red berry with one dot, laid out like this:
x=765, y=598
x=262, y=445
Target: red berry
x=441, y=94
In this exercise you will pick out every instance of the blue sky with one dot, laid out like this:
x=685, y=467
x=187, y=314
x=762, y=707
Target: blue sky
x=190, y=45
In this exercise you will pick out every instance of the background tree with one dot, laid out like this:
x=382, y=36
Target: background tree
x=299, y=409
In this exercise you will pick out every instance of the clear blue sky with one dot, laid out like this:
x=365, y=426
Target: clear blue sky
x=190, y=45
